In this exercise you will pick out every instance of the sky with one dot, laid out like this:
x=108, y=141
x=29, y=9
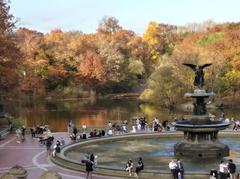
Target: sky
x=85, y=15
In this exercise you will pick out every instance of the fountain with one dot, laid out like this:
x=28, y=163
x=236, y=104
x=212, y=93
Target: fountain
x=200, y=133
x=157, y=149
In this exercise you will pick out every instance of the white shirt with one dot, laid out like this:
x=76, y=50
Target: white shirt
x=110, y=132
x=172, y=165
x=222, y=167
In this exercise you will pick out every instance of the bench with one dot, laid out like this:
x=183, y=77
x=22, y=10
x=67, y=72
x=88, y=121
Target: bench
x=4, y=132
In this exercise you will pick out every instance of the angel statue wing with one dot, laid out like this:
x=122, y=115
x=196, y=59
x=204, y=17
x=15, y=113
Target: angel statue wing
x=192, y=66
x=205, y=65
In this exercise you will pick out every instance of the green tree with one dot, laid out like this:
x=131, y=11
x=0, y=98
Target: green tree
x=163, y=87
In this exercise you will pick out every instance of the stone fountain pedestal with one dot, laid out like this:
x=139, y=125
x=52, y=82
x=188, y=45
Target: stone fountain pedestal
x=200, y=133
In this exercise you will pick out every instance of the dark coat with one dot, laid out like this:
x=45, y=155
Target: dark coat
x=89, y=165
x=232, y=168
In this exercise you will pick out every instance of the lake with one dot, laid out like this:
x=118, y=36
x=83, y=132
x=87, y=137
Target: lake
x=93, y=113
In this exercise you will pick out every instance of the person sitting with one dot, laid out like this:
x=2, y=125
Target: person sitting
x=94, y=133
x=173, y=168
x=73, y=137
x=213, y=174
x=91, y=134
x=139, y=167
x=129, y=167
x=124, y=128
x=103, y=132
x=180, y=169
x=110, y=132
x=133, y=129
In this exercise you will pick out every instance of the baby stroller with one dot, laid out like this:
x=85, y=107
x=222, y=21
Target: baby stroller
x=213, y=174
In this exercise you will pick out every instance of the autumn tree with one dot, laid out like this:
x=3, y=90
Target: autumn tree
x=160, y=38
x=9, y=53
x=30, y=44
x=91, y=69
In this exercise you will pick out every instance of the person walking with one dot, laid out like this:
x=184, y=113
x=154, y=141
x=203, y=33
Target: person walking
x=231, y=169
x=23, y=131
x=18, y=135
x=139, y=167
x=70, y=127
x=89, y=162
x=49, y=142
x=173, y=168
x=33, y=131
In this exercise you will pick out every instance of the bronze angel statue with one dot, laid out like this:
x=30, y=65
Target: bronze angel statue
x=199, y=74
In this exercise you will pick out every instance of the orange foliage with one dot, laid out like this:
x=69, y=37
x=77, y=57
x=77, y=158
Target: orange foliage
x=91, y=67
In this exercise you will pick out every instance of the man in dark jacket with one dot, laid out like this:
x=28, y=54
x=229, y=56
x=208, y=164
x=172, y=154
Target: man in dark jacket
x=180, y=169
x=232, y=169
x=89, y=163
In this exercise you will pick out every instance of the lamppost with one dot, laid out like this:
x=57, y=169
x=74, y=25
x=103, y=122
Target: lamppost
x=22, y=80
x=1, y=107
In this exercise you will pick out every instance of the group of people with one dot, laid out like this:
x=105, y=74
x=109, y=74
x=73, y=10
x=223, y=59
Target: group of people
x=139, y=167
x=176, y=168
x=76, y=135
x=227, y=170
x=38, y=130
x=141, y=123
x=235, y=123
x=112, y=129
x=159, y=127
x=115, y=128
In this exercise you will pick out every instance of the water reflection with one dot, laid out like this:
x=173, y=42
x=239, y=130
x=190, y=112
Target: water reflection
x=56, y=114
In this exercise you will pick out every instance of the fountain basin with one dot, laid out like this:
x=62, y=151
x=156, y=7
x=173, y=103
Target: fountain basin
x=156, y=149
x=201, y=150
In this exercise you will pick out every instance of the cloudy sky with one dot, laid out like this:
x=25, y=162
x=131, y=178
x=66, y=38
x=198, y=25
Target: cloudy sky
x=84, y=15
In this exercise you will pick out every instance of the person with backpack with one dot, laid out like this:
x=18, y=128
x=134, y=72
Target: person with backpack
x=89, y=163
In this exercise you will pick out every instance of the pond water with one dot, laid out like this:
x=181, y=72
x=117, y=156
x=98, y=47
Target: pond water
x=96, y=113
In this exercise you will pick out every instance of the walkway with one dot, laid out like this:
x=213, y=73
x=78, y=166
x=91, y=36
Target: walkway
x=33, y=157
